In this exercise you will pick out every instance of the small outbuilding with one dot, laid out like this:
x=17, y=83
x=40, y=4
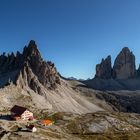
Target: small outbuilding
x=21, y=113
x=31, y=128
x=46, y=122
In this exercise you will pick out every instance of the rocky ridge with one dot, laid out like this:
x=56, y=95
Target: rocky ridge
x=27, y=80
x=122, y=75
x=28, y=69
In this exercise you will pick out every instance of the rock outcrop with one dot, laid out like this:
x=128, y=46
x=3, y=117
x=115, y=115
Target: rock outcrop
x=104, y=69
x=28, y=69
x=124, y=66
x=122, y=76
x=138, y=71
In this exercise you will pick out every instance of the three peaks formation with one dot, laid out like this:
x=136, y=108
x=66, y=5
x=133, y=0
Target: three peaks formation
x=124, y=66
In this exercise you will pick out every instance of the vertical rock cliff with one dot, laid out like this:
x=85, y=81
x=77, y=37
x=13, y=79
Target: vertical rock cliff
x=124, y=66
x=104, y=69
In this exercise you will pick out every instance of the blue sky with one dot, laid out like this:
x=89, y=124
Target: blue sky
x=74, y=34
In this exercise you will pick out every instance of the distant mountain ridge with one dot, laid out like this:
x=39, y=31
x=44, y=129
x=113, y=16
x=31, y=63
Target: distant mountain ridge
x=123, y=75
x=124, y=66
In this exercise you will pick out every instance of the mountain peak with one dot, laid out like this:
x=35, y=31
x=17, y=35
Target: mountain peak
x=125, y=49
x=103, y=70
x=29, y=69
x=31, y=50
x=124, y=66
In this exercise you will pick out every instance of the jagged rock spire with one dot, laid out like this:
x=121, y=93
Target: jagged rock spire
x=29, y=69
x=124, y=66
x=31, y=50
x=104, y=69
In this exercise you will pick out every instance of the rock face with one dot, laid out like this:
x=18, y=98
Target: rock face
x=104, y=69
x=138, y=71
x=37, y=85
x=28, y=69
x=124, y=66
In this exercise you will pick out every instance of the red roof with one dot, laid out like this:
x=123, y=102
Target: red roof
x=46, y=122
x=18, y=110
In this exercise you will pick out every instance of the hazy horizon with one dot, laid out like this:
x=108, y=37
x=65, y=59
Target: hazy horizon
x=74, y=34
